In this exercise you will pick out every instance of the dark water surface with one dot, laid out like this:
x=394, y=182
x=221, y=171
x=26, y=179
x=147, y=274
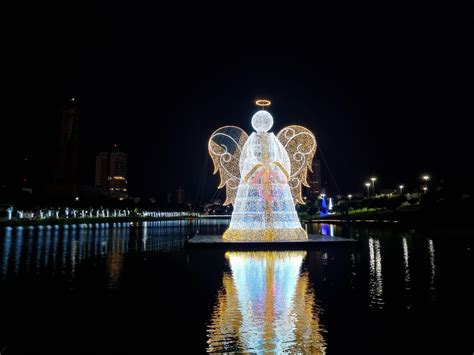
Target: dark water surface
x=129, y=289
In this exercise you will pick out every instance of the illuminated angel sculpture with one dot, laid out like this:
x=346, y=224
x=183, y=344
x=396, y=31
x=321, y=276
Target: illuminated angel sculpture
x=263, y=175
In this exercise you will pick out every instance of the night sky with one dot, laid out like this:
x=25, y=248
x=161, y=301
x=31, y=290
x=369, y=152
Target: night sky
x=385, y=88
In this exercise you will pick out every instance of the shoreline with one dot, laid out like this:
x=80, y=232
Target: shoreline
x=404, y=220
x=91, y=220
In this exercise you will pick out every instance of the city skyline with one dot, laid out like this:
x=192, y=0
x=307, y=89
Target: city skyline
x=284, y=178
x=379, y=105
x=69, y=111
x=111, y=173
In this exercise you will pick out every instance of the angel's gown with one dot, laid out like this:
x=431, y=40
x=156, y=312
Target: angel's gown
x=264, y=209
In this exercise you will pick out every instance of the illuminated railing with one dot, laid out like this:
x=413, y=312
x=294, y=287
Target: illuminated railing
x=65, y=213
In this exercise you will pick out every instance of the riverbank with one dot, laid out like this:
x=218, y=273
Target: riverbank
x=373, y=216
x=399, y=216
x=91, y=220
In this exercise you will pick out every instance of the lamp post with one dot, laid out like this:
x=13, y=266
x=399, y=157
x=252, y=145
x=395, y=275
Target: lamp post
x=367, y=184
x=425, y=178
x=349, y=196
x=373, y=178
x=401, y=189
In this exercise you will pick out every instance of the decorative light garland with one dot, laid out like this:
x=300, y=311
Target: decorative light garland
x=263, y=175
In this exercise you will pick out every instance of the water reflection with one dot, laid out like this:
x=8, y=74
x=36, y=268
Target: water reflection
x=7, y=241
x=431, y=250
x=406, y=263
x=327, y=229
x=265, y=305
x=353, y=270
x=39, y=244
x=58, y=251
x=376, y=281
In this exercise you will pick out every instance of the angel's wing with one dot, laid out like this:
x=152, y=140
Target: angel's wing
x=225, y=147
x=300, y=144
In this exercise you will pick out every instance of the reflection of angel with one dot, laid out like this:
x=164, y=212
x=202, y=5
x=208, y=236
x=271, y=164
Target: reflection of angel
x=263, y=175
x=266, y=305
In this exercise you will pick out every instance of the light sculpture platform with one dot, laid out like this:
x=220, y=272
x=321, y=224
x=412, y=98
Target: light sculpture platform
x=263, y=174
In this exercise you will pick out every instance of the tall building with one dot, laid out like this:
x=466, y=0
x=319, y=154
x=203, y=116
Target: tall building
x=68, y=144
x=314, y=180
x=66, y=169
x=111, y=172
x=180, y=196
x=118, y=174
x=102, y=170
x=176, y=197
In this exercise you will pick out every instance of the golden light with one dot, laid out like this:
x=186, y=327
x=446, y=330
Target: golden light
x=225, y=146
x=278, y=316
x=263, y=102
x=301, y=145
x=259, y=170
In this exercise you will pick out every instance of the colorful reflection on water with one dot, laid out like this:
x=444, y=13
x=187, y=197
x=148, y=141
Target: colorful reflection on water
x=266, y=304
x=55, y=250
x=392, y=289
x=327, y=229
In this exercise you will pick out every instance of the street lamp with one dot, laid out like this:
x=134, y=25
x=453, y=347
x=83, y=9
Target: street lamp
x=401, y=189
x=350, y=196
x=367, y=184
x=373, y=184
x=425, y=178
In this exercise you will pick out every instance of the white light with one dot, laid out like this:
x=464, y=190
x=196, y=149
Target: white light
x=263, y=175
x=265, y=305
x=376, y=280
x=262, y=121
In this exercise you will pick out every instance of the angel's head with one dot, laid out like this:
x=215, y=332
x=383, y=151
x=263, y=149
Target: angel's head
x=262, y=121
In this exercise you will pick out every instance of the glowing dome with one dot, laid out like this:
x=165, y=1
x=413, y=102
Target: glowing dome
x=262, y=121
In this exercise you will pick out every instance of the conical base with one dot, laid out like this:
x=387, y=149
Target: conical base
x=264, y=235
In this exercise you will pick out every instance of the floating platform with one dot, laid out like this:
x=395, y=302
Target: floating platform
x=313, y=240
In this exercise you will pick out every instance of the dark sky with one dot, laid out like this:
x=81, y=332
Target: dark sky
x=386, y=88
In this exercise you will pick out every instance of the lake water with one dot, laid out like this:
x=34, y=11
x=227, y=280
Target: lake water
x=139, y=289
